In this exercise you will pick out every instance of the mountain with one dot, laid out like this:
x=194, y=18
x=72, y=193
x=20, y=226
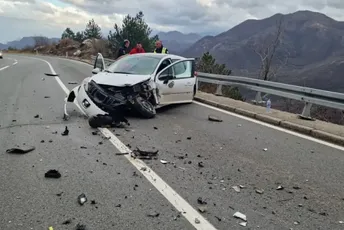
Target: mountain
x=24, y=42
x=177, y=42
x=314, y=43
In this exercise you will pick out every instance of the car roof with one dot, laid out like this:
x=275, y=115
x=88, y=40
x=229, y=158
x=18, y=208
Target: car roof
x=159, y=55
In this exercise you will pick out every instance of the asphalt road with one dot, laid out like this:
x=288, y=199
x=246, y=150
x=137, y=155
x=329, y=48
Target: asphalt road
x=232, y=153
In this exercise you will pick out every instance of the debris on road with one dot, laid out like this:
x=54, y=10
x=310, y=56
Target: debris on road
x=239, y=125
x=155, y=128
x=280, y=187
x=118, y=206
x=46, y=96
x=69, y=221
x=265, y=149
x=72, y=83
x=36, y=116
x=52, y=173
x=82, y=199
x=236, y=188
x=240, y=216
x=214, y=118
x=259, y=191
x=65, y=132
x=80, y=227
x=202, y=209
x=296, y=187
x=153, y=214
x=144, y=154
x=218, y=218
x=201, y=201
x=243, y=224
x=121, y=154
x=163, y=162
x=59, y=194
x=200, y=164
x=51, y=74
x=93, y=202
x=20, y=150
x=94, y=132
x=197, y=221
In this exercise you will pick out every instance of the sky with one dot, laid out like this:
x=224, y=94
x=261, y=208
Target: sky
x=19, y=18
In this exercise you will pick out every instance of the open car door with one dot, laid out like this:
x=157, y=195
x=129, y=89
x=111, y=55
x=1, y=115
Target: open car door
x=99, y=64
x=176, y=82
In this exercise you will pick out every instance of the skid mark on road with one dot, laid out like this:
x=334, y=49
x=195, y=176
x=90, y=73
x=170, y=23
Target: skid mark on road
x=171, y=195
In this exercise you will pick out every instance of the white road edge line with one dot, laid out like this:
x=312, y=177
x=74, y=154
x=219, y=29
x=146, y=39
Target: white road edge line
x=4, y=67
x=172, y=196
x=251, y=119
x=273, y=127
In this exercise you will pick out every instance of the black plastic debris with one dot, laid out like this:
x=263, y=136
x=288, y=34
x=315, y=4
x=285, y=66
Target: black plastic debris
x=94, y=133
x=72, y=83
x=65, y=132
x=42, y=141
x=80, y=227
x=69, y=221
x=93, y=202
x=155, y=128
x=118, y=206
x=189, y=138
x=82, y=199
x=51, y=74
x=121, y=154
x=59, y=194
x=83, y=147
x=214, y=118
x=36, y=116
x=153, y=214
x=46, y=96
x=201, y=201
x=100, y=143
x=200, y=164
x=218, y=218
x=144, y=154
x=20, y=150
x=52, y=173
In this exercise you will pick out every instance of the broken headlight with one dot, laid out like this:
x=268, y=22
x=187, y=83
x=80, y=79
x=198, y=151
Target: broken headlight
x=146, y=86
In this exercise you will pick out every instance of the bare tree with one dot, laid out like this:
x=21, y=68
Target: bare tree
x=272, y=51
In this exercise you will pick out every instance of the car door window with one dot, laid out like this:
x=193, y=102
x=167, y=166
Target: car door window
x=183, y=69
x=163, y=65
x=99, y=63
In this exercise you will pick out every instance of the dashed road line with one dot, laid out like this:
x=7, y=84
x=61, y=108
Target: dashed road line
x=168, y=192
x=4, y=67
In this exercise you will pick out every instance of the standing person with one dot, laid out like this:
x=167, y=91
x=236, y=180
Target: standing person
x=159, y=48
x=124, y=49
x=137, y=49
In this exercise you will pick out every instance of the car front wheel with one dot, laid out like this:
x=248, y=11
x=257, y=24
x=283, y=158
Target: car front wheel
x=144, y=107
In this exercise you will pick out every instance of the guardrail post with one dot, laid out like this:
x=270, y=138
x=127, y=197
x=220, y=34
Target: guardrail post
x=66, y=54
x=36, y=52
x=306, y=112
x=258, y=98
x=219, y=90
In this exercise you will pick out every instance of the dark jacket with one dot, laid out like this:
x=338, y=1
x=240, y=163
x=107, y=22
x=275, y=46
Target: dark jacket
x=122, y=51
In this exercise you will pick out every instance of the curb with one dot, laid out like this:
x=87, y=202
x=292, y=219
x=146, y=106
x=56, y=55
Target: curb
x=335, y=139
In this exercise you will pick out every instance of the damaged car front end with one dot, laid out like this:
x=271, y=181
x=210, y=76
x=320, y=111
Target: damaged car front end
x=106, y=104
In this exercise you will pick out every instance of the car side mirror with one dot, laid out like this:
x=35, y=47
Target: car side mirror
x=96, y=70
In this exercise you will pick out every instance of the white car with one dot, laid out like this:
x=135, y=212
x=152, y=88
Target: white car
x=1, y=57
x=142, y=82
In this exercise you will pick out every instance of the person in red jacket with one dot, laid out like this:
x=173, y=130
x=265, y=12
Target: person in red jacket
x=137, y=49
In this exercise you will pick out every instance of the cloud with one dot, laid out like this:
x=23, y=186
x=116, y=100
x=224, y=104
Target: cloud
x=51, y=17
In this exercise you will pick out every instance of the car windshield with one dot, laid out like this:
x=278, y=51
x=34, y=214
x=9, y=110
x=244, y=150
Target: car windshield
x=135, y=64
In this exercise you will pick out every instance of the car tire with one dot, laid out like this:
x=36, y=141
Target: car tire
x=144, y=107
x=99, y=121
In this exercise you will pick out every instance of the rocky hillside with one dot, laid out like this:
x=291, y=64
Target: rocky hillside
x=177, y=42
x=314, y=43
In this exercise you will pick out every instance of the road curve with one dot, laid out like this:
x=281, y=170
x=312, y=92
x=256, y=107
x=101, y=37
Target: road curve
x=235, y=152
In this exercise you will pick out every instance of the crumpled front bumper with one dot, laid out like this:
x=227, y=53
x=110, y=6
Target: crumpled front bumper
x=79, y=96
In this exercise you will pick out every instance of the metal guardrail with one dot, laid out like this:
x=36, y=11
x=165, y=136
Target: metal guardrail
x=309, y=96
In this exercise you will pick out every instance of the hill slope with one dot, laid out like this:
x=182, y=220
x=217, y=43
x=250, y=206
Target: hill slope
x=24, y=42
x=177, y=42
x=315, y=44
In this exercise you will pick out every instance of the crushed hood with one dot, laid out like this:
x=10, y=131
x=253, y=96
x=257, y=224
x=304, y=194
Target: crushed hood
x=116, y=79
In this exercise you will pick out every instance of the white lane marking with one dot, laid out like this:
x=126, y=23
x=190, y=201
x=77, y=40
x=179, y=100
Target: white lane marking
x=168, y=192
x=4, y=68
x=15, y=62
x=273, y=127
